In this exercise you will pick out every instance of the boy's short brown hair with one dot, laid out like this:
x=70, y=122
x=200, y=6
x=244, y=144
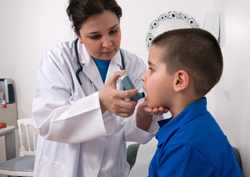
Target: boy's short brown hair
x=197, y=52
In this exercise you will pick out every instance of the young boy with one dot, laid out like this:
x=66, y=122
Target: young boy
x=184, y=65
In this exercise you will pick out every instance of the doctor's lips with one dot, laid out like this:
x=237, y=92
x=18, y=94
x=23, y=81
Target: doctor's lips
x=128, y=85
x=108, y=52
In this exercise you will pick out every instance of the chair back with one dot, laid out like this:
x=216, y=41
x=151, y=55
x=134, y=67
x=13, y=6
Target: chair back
x=27, y=136
x=238, y=157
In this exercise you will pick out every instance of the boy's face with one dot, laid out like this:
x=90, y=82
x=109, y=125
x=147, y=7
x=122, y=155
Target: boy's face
x=157, y=82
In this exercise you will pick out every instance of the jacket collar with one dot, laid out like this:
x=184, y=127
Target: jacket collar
x=191, y=112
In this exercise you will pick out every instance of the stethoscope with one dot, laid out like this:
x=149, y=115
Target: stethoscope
x=80, y=67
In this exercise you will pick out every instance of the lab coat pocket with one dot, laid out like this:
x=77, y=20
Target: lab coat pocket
x=52, y=169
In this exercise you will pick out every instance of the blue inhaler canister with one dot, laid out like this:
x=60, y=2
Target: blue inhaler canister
x=128, y=85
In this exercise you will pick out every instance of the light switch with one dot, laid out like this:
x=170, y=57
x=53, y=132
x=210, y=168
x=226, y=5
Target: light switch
x=228, y=95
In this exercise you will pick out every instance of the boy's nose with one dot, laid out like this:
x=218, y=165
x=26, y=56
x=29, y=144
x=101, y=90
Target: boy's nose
x=143, y=78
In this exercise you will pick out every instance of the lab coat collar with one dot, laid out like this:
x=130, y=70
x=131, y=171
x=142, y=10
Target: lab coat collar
x=91, y=70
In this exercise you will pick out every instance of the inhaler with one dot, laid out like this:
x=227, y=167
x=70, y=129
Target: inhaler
x=128, y=85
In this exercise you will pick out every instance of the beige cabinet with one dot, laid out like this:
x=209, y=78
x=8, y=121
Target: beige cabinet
x=9, y=114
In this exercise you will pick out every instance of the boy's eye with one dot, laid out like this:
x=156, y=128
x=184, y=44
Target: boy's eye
x=151, y=69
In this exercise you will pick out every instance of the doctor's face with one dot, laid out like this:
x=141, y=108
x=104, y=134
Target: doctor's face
x=101, y=35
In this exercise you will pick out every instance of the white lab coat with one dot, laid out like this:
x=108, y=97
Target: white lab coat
x=75, y=139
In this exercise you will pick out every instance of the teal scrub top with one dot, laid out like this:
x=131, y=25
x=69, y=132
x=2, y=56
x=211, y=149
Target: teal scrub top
x=102, y=66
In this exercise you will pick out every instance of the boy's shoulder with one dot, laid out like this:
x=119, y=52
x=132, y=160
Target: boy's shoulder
x=195, y=139
x=203, y=135
x=197, y=128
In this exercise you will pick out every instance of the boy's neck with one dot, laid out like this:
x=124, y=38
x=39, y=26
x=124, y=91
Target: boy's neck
x=181, y=102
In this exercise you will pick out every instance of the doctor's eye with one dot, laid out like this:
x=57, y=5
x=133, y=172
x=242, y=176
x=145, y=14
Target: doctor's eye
x=113, y=31
x=95, y=37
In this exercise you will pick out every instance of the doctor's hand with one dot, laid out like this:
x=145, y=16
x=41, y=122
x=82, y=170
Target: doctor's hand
x=113, y=100
x=145, y=115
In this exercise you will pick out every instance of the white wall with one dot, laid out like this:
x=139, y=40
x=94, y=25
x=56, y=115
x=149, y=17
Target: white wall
x=137, y=16
x=234, y=115
x=28, y=28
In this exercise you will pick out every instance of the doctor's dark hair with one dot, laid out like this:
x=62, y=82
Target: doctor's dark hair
x=195, y=51
x=80, y=10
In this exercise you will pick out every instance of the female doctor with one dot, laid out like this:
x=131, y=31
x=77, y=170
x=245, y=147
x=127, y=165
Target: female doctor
x=79, y=106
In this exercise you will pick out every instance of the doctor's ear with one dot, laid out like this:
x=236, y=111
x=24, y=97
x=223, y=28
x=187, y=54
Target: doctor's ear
x=181, y=81
x=77, y=36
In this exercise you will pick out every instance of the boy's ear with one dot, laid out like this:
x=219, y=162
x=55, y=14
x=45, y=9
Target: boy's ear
x=181, y=81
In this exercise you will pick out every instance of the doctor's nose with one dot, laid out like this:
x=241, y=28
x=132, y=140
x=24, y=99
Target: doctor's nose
x=107, y=43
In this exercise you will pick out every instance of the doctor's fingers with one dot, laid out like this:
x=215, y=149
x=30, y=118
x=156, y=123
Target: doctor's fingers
x=123, y=107
x=124, y=112
x=126, y=93
x=112, y=81
x=125, y=115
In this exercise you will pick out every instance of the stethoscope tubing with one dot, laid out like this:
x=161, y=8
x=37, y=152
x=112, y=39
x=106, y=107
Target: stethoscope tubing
x=78, y=63
x=80, y=66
